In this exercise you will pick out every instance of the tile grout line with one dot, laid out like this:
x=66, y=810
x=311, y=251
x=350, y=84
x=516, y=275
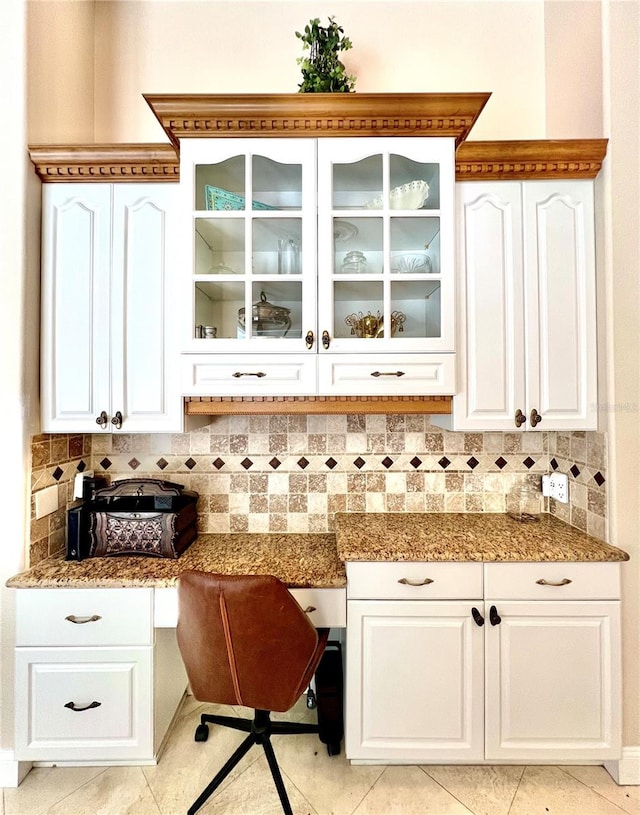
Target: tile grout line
x=448, y=791
x=592, y=789
x=368, y=792
x=516, y=790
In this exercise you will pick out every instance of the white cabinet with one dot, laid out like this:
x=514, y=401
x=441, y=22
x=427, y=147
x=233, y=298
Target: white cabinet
x=524, y=665
x=526, y=306
x=553, y=664
x=341, y=252
x=94, y=683
x=108, y=344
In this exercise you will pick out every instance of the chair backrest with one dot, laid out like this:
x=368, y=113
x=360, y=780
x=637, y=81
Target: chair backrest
x=244, y=640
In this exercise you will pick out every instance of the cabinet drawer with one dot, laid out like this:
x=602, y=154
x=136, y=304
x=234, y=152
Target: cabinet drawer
x=84, y=704
x=384, y=374
x=327, y=607
x=395, y=581
x=84, y=617
x=248, y=375
x=561, y=581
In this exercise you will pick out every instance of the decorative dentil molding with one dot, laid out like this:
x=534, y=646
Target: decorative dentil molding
x=317, y=114
x=522, y=160
x=105, y=162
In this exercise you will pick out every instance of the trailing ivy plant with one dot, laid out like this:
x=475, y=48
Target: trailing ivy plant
x=322, y=70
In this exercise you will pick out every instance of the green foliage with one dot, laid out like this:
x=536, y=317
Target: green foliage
x=322, y=70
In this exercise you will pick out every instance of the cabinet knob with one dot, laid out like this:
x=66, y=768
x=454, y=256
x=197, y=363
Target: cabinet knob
x=103, y=420
x=479, y=619
x=519, y=418
x=494, y=617
x=326, y=341
x=535, y=418
x=309, y=340
x=117, y=420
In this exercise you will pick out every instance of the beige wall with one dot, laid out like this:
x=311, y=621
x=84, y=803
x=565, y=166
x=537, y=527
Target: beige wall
x=542, y=61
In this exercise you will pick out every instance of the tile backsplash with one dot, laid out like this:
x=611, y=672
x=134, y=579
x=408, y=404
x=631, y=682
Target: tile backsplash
x=292, y=473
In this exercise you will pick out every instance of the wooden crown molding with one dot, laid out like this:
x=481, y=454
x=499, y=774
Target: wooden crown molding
x=317, y=114
x=105, y=162
x=242, y=405
x=521, y=160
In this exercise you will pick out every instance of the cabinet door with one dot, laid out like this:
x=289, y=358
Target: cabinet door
x=144, y=345
x=83, y=704
x=559, y=263
x=76, y=306
x=414, y=684
x=385, y=245
x=552, y=673
x=491, y=351
x=249, y=245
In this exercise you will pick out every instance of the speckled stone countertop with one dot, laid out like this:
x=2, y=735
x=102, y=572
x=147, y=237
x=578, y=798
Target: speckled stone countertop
x=464, y=537
x=298, y=560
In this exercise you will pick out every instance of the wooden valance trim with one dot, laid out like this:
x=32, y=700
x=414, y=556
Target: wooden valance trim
x=105, y=162
x=521, y=160
x=317, y=114
x=233, y=405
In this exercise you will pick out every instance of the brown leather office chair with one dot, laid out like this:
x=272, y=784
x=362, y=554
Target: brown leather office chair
x=244, y=640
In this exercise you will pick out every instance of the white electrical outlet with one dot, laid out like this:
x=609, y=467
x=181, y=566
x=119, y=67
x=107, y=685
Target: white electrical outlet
x=46, y=501
x=559, y=487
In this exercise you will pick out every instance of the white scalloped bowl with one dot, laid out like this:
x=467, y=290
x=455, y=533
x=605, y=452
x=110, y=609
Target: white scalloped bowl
x=407, y=196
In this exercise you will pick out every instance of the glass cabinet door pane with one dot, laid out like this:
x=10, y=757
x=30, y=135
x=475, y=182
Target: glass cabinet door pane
x=276, y=185
x=358, y=246
x=358, y=309
x=358, y=183
x=277, y=246
x=415, y=308
x=276, y=310
x=216, y=308
x=219, y=246
x=415, y=245
x=220, y=186
x=413, y=184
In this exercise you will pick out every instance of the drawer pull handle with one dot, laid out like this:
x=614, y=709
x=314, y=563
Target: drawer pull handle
x=564, y=582
x=406, y=582
x=387, y=373
x=494, y=617
x=238, y=374
x=82, y=620
x=72, y=706
x=309, y=609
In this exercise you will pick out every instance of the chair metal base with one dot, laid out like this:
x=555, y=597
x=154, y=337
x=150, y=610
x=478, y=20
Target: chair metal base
x=259, y=729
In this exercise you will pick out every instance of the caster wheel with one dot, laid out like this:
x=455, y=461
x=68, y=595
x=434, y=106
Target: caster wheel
x=312, y=702
x=202, y=732
x=333, y=749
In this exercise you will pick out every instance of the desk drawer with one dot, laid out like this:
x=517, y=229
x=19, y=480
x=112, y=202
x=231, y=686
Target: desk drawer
x=552, y=581
x=84, y=617
x=414, y=581
x=327, y=607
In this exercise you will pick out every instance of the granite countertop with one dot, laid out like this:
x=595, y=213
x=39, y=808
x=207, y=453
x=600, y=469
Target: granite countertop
x=317, y=560
x=300, y=561
x=465, y=537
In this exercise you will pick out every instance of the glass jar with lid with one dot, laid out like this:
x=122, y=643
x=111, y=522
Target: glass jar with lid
x=524, y=503
x=354, y=262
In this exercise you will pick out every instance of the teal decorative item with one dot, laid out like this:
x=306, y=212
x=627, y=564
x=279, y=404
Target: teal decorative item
x=322, y=70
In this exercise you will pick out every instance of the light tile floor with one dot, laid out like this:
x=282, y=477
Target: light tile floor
x=317, y=783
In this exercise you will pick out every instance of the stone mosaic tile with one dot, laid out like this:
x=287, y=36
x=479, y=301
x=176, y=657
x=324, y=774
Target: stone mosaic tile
x=292, y=473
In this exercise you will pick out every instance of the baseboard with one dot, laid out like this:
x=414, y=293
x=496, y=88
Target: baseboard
x=11, y=771
x=625, y=771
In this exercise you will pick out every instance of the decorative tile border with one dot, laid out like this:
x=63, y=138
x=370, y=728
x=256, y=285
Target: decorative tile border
x=292, y=474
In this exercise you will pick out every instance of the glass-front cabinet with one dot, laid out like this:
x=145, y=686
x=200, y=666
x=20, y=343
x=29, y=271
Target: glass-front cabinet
x=385, y=244
x=252, y=244
x=307, y=257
